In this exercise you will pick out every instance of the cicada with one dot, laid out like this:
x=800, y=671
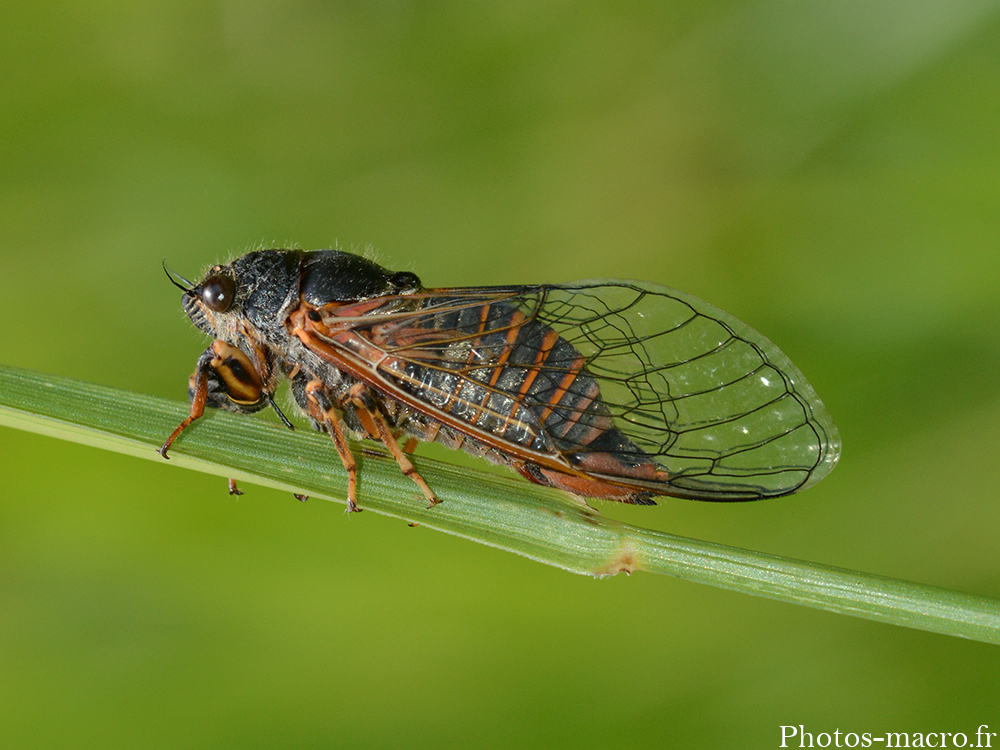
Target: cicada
x=619, y=390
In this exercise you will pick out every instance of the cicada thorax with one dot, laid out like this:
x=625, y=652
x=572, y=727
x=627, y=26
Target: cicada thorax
x=336, y=389
x=502, y=386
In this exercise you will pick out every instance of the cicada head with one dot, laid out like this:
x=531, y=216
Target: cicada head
x=251, y=291
x=211, y=301
x=258, y=290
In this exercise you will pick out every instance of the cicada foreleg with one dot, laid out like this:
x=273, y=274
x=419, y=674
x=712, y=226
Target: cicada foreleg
x=224, y=378
x=198, y=392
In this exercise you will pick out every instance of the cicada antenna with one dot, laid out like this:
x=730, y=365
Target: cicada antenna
x=176, y=279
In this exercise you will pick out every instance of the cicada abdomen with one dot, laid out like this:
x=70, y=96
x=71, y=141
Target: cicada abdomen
x=513, y=390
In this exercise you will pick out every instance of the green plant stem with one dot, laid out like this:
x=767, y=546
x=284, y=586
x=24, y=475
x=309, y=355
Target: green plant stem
x=508, y=513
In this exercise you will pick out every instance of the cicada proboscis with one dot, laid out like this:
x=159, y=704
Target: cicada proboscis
x=621, y=390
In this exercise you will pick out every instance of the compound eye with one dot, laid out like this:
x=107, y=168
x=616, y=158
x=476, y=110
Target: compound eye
x=217, y=292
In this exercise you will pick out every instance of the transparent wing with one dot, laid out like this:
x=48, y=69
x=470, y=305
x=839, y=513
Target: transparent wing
x=641, y=374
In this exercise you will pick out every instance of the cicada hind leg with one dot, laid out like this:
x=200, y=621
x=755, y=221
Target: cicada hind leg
x=326, y=412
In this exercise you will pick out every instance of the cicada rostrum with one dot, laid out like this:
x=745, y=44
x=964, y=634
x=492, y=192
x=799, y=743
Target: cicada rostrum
x=620, y=390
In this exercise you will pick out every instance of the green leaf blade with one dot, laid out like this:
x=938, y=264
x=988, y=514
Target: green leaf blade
x=507, y=513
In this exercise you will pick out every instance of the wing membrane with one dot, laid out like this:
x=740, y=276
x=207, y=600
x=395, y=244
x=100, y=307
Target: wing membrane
x=684, y=398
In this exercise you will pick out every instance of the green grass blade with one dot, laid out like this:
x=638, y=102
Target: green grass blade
x=508, y=513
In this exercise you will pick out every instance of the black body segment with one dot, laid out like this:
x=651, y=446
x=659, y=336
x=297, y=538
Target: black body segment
x=332, y=276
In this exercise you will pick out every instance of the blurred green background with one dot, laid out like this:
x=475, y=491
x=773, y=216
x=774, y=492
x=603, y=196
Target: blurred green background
x=829, y=172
